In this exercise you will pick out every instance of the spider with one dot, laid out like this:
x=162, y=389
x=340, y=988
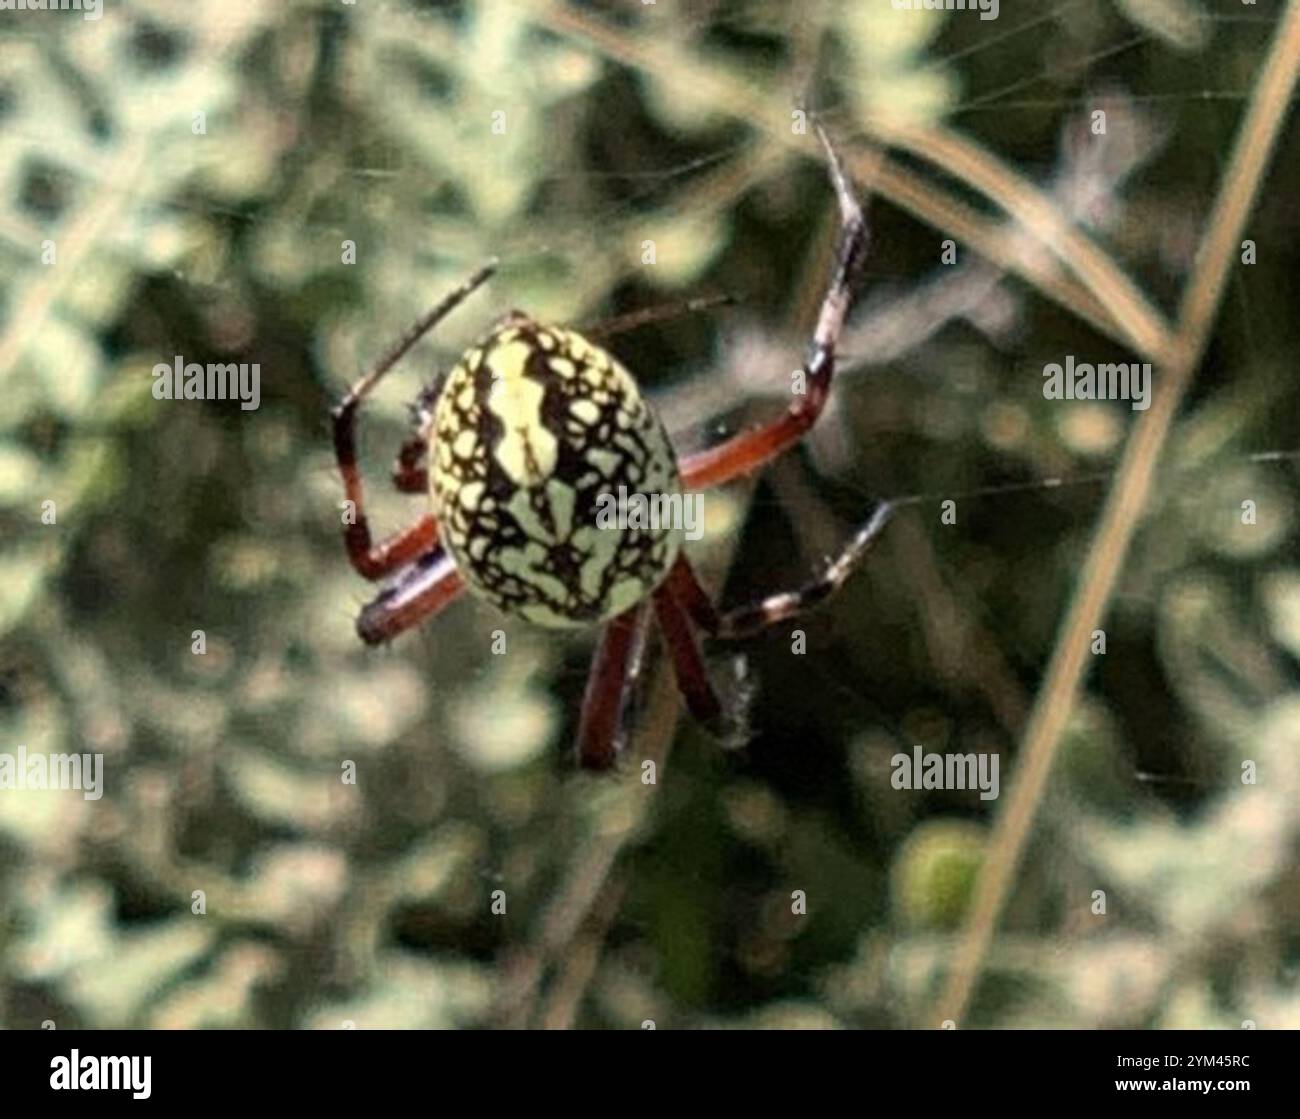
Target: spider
x=516, y=447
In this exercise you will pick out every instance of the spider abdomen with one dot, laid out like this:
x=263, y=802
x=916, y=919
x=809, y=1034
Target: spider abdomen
x=536, y=437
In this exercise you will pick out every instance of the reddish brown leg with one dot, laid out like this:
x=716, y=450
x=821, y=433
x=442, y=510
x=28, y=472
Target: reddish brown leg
x=409, y=473
x=607, y=686
x=686, y=589
x=424, y=588
x=692, y=677
x=748, y=451
x=374, y=561
x=370, y=559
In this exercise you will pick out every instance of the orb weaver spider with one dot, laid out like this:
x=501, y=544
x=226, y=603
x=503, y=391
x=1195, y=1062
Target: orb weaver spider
x=515, y=447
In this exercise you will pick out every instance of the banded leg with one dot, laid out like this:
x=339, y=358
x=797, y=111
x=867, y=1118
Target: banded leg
x=747, y=620
x=423, y=589
x=746, y=452
x=370, y=559
x=608, y=684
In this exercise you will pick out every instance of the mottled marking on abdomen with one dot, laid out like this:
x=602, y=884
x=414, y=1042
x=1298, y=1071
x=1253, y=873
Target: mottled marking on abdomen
x=517, y=470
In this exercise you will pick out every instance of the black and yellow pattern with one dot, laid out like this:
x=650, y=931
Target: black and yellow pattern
x=534, y=426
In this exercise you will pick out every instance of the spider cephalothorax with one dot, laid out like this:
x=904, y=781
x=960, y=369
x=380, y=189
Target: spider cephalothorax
x=531, y=430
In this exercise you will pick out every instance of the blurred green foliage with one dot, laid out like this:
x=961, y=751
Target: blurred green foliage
x=221, y=237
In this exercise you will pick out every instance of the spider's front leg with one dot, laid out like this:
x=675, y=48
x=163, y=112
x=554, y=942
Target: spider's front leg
x=375, y=560
x=370, y=559
x=749, y=450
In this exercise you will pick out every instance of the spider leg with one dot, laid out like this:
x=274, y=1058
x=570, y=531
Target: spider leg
x=419, y=592
x=747, y=620
x=374, y=560
x=409, y=472
x=688, y=664
x=608, y=685
x=686, y=588
x=645, y=316
x=370, y=559
x=749, y=450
